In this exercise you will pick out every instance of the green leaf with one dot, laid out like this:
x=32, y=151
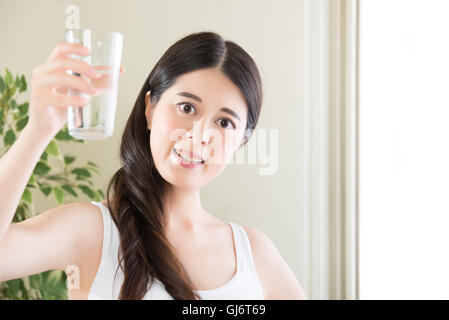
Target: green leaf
x=9, y=138
x=12, y=91
x=31, y=182
x=88, y=191
x=16, y=289
x=8, y=94
x=41, y=168
x=92, y=169
x=23, y=108
x=63, y=135
x=45, y=189
x=81, y=172
x=15, y=116
x=92, y=164
x=59, y=194
x=52, y=148
x=52, y=285
x=18, y=216
x=27, y=196
x=2, y=85
x=17, y=82
x=69, y=189
x=13, y=104
x=69, y=159
x=8, y=77
x=23, y=84
x=57, y=178
x=100, y=193
x=21, y=123
x=44, y=156
x=35, y=280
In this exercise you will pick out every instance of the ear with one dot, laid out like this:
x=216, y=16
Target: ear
x=148, y=109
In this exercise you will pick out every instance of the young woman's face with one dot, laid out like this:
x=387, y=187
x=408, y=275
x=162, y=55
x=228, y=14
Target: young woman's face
x=213, y=128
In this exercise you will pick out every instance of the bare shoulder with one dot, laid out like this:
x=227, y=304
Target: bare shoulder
x=257, y=237
x=88, y=220
x=277, y=279
x=91, y=217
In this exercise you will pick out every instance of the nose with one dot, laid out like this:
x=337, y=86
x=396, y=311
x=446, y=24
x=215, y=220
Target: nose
x=205, y=136
x=205, y=139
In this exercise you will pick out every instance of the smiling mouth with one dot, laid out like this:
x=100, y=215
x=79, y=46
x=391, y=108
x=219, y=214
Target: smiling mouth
x=187, y=160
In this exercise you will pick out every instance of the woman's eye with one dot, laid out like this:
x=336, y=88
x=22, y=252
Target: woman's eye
x=186, y=107
x=227, y=121
x=224, y=122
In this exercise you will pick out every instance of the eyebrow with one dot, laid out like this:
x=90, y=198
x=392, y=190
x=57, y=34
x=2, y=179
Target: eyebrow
x=224, y=109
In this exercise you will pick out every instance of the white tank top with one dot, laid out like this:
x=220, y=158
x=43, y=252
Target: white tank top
x=244, y=285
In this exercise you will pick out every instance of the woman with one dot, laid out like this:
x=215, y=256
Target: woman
x=152, y=239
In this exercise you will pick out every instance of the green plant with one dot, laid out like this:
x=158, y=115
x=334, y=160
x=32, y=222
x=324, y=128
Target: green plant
x=63, y=181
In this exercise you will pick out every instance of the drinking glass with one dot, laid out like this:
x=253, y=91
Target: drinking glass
x=97, y=118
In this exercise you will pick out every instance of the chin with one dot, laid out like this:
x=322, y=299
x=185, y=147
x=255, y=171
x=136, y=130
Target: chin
x=181, y=177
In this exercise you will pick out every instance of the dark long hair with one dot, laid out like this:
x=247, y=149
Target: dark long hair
x=138, y=188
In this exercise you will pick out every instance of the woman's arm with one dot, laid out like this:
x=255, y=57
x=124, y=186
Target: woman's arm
x=67, y=235
x=46, y=241
x=277, y=279
x=47, y=115
x=16, y=167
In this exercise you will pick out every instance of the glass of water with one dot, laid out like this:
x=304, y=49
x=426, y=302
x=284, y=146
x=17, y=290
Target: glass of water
x=97, y=118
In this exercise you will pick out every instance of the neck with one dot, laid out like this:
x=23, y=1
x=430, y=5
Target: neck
x=183, y=210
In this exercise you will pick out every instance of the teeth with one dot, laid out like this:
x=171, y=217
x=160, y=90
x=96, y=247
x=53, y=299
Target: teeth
x=185, y=157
